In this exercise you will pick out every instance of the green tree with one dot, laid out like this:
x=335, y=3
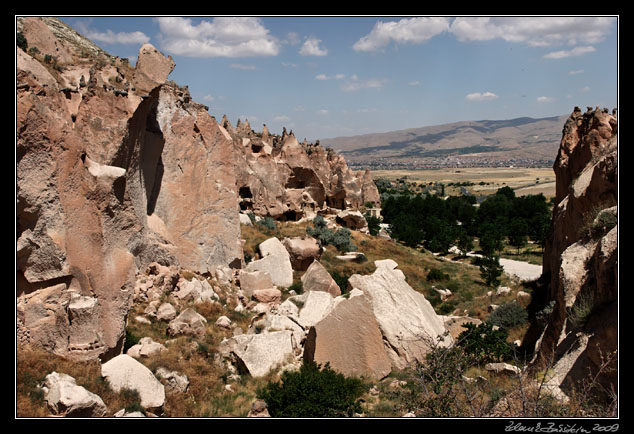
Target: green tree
x=485, y=342
x=518, y=234
x=491, y=270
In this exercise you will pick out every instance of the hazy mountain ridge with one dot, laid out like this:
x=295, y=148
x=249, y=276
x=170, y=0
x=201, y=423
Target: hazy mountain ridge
x=511, y=139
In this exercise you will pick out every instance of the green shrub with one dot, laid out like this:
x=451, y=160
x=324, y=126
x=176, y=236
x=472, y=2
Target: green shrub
x=268, y=223
x=20, y=41
x=435, y=275
x=484, y=342
x=298, y=287
x=313, y=391
x=509, y=315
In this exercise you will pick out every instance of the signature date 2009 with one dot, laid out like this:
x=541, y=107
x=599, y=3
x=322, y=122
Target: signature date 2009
x=552, y=427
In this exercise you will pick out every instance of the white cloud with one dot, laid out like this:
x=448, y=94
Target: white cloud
x=545, y=99
x=311, y=48
x=281, y=118
x=585, y=89
x=414, y=83
x=221, y=37
x=322, y=112
x=408, y=30
x=292, y=38
x=354, y=84
x=478, y=96
x=534, y=31
x=110, y=37
x=577, y=51
x=577, y=71
x=243, y=66
x=330, y=77
x=289, y=65
x=208, y=98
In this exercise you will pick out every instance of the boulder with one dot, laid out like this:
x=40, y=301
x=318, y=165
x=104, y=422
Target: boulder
x=352, y=220
x=189, y=322
x=175, y=382
x=254, y=280
x=317, y=278
x=271, y=295
x=152, y=68
x=317, y=304
x=166, y=312
x=146, y=347
x=389, y=263
x=196, y=291
x=65, y=398
x=124, y=371
x=223, y=322
x=350, y=340
x=503, y=368
x=409, y=325
x=259, y=408
x=275, y=261
x=302, y=251
x=258, y=354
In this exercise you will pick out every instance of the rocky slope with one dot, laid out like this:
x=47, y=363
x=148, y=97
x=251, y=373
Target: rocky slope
x=577, y=329
x=117, y=167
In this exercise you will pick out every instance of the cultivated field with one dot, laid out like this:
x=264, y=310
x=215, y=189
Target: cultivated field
x=485, y=180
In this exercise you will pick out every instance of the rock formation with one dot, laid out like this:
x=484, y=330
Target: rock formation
x=110, y=177
x=281, y=178
x=118, y=168
x=577, y=327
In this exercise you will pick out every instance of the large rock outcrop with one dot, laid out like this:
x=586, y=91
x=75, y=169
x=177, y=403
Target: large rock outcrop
x=577, y=329
x=110, y=178
x=287, y=180
x=384, y=325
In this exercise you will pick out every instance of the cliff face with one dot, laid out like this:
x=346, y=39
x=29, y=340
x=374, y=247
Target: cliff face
x=116, y=168
x=281, y=178
x=580, y=260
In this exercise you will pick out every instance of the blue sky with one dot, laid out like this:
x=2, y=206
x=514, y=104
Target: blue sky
x=325, y=76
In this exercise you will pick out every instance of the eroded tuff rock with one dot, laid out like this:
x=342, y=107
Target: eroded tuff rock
x=580, y=259
x=110, y=179
x=279, y=177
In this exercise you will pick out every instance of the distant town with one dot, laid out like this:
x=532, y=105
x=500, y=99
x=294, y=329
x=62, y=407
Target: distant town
x=441, y=163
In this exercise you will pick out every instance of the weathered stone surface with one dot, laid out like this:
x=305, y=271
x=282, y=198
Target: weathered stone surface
x=455, y=324
x=189, y=322
x=166, y=312
x=175, y=382
x=124, y=371
x=146, y=347
x=261, y=353
x=275, y=261
x=407, y=321
x=302, y=251
x=389, y=263
x=317, y=304
x=65, y=398
x=352, y=219
x=580, y=259
x=271, y=295
x=503, y=368
x=152, y=68
x=254, y=280
x=317, y=278
x=102, y=188
x=350, y=340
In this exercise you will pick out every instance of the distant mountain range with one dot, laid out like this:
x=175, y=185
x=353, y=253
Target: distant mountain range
x=469, y=142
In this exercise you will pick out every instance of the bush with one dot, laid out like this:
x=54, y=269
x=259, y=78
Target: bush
x=509, y=315
x=435, y=275
x=268, y=223
x=313, y=392
x=484, y=342
x=340, y=239
x=374, y=224
x=491, y=270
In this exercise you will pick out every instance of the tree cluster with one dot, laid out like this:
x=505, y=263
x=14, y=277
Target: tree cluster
x=438, y=224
